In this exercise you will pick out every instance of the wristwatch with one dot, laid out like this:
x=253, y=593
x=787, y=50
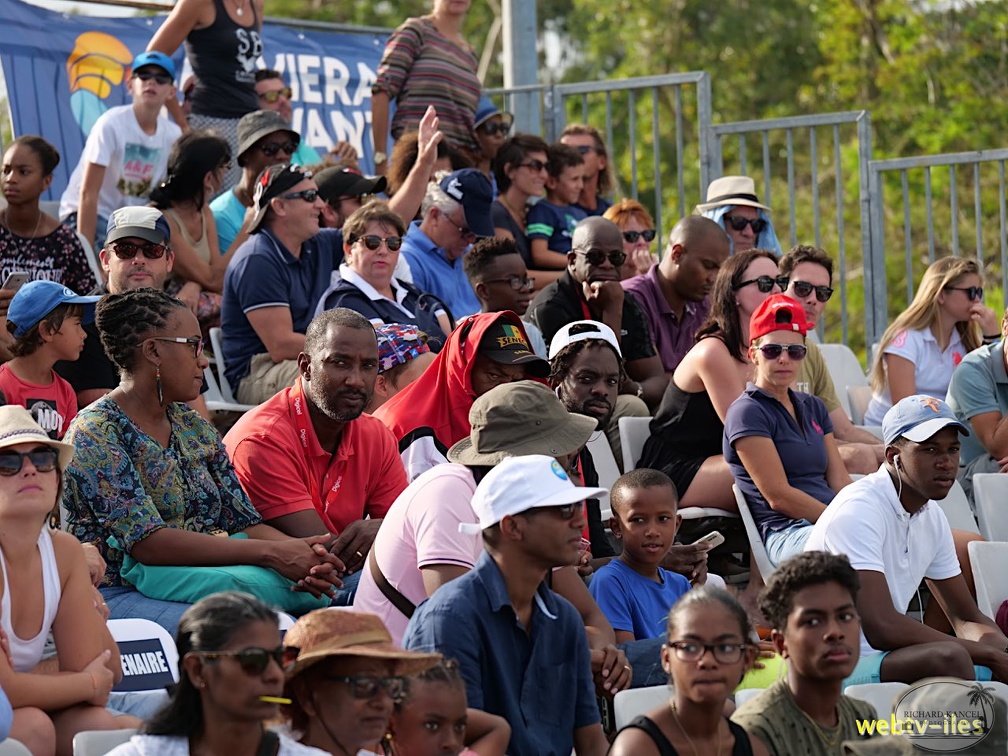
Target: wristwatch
x=380, y=157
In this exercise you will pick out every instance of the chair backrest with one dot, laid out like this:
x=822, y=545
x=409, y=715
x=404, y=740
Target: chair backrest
x=215, y=400
x=859, y=397
x=990, y=496
x=99, y=742
x=217, y=344
x=605, y=466
x=148, y=653
x=882, y=695
x=845, y=370
x=11, y=747
x=630, y=704
x=92, y=258
x=634, y=432
x=759, y=551
x=741, y=696
x=988, y=560
x=957, y=510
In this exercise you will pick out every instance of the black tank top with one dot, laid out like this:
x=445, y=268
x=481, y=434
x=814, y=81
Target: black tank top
x=665, y=748
x=685, y=425
x=223, y=58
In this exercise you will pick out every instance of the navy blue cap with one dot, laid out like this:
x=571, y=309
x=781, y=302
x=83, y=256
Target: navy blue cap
x=473, y=190
x=36, y=299
x=154, y=59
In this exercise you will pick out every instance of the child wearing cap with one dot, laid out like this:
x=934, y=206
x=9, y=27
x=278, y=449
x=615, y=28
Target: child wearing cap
x=551, y=221
x=403, y=355
x=126, y=153
x=45, y=320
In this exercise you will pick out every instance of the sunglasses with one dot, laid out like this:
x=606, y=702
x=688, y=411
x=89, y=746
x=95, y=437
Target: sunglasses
x=272, y=148
x=975, y=293
x=538, y=166
x=794, y=351
x=584, y=149
x=804, y=288
x=692, y=651
x=308, y=195
x=393, y=243
x=766, y=283
x=275, y=95
x=515, y=282
x=563, y=511
x=739, y=223
x=194, y=341
x=464, y=232
x=647, y=235
x=158, y=76
x=253, y=661
x=598, y=256
x=365, y=687
x=493, y=129
x=129, y=250
x=43, y=460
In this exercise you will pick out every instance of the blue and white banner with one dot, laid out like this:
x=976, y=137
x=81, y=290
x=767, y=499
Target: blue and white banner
x=63, y=71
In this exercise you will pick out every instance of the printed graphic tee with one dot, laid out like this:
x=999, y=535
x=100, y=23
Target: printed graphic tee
x=52, y=406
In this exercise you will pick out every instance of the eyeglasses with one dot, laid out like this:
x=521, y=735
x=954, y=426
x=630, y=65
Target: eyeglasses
x=975, y=293
x=598, y=256
x=493, y=129
x=194, y=341
x=43, y=459
x=308, y=195
x=766, y=283
x=272, y=148
x=822, y=293
x=563, y=511
x=393, y=243
x=128, y=250
x=794, y=351
x=538, y=166
x=693, y=651
x=739, y=223
x=647, y=235
x=276, y=94
x=158, y=76
x=516, y=283
x=368, y=687
x=584, y=149
x=253, y=661
x=464, y=232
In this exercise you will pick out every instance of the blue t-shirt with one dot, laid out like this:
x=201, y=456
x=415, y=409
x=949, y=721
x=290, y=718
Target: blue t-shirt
x=434, y=273
x=801, y=446
x=539, y=681
x=554, y=223
x=229, y=214
x=263, y=273
x=633, y=603
x=602, y=205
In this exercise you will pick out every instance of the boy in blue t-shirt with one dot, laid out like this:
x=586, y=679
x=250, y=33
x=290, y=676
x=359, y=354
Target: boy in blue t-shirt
x=633, y=591
x=550, y=222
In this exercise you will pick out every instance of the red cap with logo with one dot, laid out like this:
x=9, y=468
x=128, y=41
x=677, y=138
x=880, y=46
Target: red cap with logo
x=777, y=313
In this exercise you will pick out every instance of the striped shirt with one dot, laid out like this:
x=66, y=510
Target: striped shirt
x=422, y=67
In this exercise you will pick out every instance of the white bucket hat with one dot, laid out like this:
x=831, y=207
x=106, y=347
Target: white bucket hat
x=731, y=190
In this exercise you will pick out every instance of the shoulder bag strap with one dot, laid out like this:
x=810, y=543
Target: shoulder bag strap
x=388, y=590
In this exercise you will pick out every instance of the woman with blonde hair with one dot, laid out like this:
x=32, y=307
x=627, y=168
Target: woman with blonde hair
x=638, y=229
x=944, y=322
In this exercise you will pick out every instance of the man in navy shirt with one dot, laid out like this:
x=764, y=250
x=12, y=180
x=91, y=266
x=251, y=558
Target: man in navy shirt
x=522, y=649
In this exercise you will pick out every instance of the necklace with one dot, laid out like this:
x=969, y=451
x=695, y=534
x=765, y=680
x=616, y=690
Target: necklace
x=38, y=223
x=829, y=741
x=519, y=215
x=689, y=741
x=240, y=7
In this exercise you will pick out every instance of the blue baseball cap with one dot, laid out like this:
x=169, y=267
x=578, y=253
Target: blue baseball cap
x=486, y=110
x=37, y=299
x=473, y=190
x=145, y=223
x=154, y=59
x=917, y=418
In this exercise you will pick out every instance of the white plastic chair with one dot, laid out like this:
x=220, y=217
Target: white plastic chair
x=99, y=742
x=759, y=551
x=11, y=747
x=605, y=466
x=92, y=258
x=125, y=630
x=957, y=510
x=741, y=696
x=988, y=560
x=634, y=433
x=990, y=496
x=629, y=704
x=845, y=370
x=858, y=397
x=882, y=695
x=215, y=400
x=217, y=344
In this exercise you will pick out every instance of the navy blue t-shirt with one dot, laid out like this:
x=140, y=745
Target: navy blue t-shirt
x=555, y=223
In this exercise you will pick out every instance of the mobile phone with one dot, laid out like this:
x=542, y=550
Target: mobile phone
x=15, y=281
x=712, y=540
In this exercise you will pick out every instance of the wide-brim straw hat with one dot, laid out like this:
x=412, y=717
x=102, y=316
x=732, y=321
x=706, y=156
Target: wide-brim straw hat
x=17, y=426
x=731, y=190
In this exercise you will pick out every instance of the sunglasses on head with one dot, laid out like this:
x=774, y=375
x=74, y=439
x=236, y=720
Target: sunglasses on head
x=275, y=95
x=536, y=165
x=794, y=351
x=739, y=223
x=766, y=283
x=804, y=288
x=272, y=148
x=975, y=293
x=308, y=195
x=598, y=256
x=372, y=242
x=128, y=250
x=647, y=235
x=253, y=661
x=43, y=460
x=159, y=77
x=365, y=687
x=493, y=129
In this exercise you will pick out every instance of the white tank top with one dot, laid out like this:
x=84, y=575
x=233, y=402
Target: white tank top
x=27, y=652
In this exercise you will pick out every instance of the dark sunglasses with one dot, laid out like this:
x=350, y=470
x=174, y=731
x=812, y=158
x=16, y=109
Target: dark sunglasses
x=597, y=256
x=42, y=459
x=975, y=293
x=493, y=129
x=272, y=97
x=366, y=687
x=536, y=165
x=253, y=661
x=766, y=283
x=563, y=511
x=272, y=148
x=584, y=149
x=739, y=223
x=647, y=235
x=194, y=341
x=308, y=195
x=804, y=288
x=515, y=282
x=794, y=351
x=129, y=250
x=158, y=76
x=393, y=243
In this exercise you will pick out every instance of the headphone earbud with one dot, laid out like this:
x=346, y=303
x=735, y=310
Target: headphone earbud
x=895, y=461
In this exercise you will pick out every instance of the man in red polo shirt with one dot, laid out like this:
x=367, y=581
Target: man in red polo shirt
x=308, y=457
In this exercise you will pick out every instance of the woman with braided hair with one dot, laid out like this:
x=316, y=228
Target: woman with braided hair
x=151, y=479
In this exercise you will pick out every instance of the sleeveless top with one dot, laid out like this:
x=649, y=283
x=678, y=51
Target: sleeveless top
x=685, y=424
x=223, y=58
x=201, y=247
x=742, y=745
x=27, y=652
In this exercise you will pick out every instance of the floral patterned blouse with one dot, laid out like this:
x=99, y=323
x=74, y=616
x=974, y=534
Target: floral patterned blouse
x=122, y=485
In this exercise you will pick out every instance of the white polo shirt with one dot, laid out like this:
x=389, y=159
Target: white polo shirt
x=867, y=523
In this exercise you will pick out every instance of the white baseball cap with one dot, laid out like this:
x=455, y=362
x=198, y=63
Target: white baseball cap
x=519, y=484
x=583, y=330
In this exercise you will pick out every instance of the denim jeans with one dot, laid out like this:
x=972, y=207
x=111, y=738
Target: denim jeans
x=644, y=657
x=128, y=603
x=344, y=596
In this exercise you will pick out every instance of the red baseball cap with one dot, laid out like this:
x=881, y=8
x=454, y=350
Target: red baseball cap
x=777, y=313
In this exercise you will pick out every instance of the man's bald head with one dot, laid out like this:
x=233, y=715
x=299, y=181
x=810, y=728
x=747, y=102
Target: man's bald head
x=696, y=250
x=595, y=229
x=598, y=239
x=695, y=230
